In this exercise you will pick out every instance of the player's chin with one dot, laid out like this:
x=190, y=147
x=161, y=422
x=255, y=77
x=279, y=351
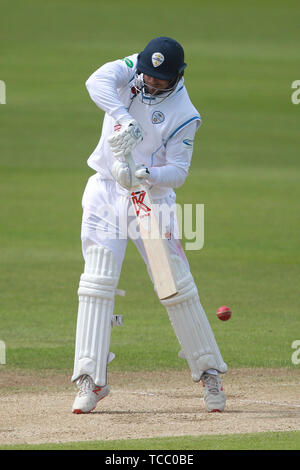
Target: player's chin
x=152, y=90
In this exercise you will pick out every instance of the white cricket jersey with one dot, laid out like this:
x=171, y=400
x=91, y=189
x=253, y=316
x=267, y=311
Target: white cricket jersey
x=169, y=126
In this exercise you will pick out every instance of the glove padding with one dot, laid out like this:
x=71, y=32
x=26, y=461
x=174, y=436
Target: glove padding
x=123, y=175
x=126, y=136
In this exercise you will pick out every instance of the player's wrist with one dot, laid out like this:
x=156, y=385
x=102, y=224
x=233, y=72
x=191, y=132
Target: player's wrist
x=121, y=115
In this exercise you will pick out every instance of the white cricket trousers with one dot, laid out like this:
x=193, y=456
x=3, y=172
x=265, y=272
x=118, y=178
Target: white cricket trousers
x=108, y=221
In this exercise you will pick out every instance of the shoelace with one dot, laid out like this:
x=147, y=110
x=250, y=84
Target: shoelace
x=211, y=382
x=85, y=385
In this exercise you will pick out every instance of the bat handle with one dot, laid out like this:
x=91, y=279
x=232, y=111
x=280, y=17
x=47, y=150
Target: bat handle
x=134, y=180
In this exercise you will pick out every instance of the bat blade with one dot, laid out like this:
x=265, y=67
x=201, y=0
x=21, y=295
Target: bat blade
x=155, y=244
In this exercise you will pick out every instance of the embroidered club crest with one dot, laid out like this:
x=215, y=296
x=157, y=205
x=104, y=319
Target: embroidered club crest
x=158, y=117
x=157, y=59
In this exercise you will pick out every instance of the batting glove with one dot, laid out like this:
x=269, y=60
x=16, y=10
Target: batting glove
x=126, y=136
x=142, y=172
x=122, y=174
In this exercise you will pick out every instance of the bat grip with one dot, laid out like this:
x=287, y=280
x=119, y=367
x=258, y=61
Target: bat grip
x=134, y=180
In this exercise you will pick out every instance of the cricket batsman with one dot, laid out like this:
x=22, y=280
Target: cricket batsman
x=149, y=115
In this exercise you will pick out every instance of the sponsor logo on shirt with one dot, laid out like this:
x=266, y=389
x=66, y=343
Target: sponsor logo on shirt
x=128, y=62
x=188, y=143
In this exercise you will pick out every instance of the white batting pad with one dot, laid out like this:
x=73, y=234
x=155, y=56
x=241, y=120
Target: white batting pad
x=96, y=293
x=191, y=325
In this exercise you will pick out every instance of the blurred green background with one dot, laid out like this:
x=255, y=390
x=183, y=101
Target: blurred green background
x=242, y=59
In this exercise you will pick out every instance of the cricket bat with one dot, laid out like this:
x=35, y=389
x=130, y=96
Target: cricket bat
x=155, y=244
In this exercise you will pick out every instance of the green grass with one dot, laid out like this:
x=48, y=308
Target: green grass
x=241, y=62
x=257, y=441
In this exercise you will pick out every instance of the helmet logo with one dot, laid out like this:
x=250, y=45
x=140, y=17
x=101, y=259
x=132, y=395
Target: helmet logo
x=157, y=59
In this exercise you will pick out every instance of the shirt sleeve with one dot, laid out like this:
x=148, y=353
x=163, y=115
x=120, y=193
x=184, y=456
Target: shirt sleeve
x=179, y=151
x=104, y=83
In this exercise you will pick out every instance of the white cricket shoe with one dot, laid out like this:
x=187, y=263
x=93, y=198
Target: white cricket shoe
x=88, y=395
x=214, y=395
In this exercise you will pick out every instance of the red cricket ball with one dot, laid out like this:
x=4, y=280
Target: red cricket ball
x=224, y=313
